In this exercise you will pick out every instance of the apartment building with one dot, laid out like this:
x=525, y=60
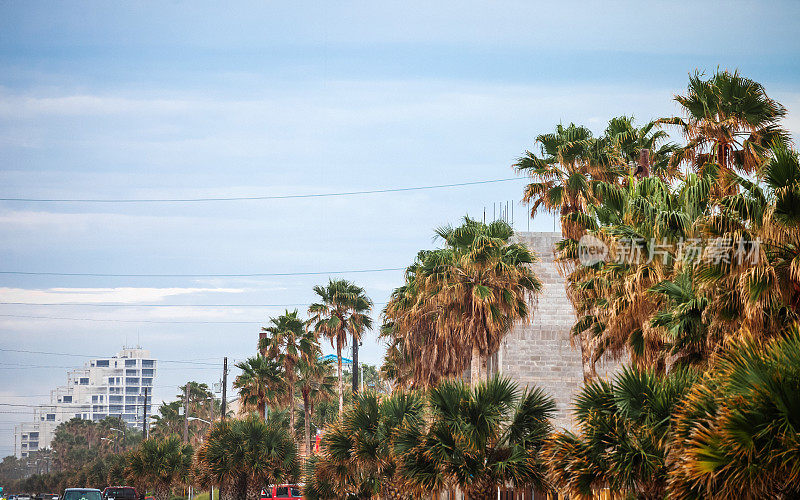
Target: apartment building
x=113, y=386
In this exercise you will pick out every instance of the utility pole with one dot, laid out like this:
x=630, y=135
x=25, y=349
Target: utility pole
x=144, y=420
x=224, y=388
x=355, y=365
x=186, y=413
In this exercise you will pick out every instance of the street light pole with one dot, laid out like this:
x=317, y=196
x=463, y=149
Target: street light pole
x=224, y=388
x=186, y=413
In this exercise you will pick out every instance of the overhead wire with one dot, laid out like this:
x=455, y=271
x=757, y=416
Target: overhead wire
x=255, y=198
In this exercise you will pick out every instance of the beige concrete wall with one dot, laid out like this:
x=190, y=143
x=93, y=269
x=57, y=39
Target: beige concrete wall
x=539, y=352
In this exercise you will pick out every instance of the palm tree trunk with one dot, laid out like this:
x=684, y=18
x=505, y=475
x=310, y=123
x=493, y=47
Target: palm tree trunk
x=307, y=415
x=586, y=361
x=292, y=417
x=475, y=366
x=262, y=409
x=341, y=380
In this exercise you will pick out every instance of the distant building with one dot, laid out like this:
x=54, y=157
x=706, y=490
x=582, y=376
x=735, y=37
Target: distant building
x=113, y=386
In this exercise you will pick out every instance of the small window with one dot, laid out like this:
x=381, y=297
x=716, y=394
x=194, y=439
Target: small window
x=132, y=390
x=110, y=380
x=102, y=363
x=282, y=492
x=51, y=417
x=33, y=445
x=147, y=382
x=149, y=363
x=132, y=371
x=132, y=381
x=148, y=372
x=85, y=381
x=32, y=435
x=130, y=362
x=67, y=399
x=94, y=399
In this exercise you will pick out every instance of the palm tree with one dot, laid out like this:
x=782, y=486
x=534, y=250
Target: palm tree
x=315, y=384
x=243, y=456
x=168, y=421
x=260, y=383
x=289, y=341
x=343, y=310
x=460, y=301
x=476, y=439
x=622, y=439
x=627, y=142
x=562, y=174
x=357, y=457
x=730, y=122
x=738, y=429
x=159, y=465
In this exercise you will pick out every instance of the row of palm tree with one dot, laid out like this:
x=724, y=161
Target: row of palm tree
x=732, y=187
x=289, y=363
x=687, y=434
x=699, y=291
x=415, y=444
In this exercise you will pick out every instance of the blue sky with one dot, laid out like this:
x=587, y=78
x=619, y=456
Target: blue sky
x=191, y=99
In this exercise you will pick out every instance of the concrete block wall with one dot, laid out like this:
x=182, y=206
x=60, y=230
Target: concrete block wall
x=539, y=352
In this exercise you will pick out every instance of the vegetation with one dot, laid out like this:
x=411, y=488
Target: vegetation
x=343, y=310
x=623, y=435
x=160, y=464
x=289, y=342
x=261, y=382
x=243, y=456
x=412, y=444
x=458, y=303
x=697, y=288
x=738, y=429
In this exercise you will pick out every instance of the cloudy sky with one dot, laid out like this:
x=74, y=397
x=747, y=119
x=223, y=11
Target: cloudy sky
x=112, y=100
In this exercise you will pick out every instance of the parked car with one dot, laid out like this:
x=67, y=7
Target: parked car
x=81, y=494
x=120, y=493
x=284, y=491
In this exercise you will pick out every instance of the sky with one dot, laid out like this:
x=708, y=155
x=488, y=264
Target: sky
x=178, y=99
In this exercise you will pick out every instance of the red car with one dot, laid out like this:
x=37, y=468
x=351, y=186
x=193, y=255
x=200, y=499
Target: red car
x=287, y=491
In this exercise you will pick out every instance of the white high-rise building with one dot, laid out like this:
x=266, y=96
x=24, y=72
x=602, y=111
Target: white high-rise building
x=113, y=386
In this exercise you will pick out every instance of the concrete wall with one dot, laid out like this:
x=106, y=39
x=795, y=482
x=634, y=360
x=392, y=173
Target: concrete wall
x=539, y=352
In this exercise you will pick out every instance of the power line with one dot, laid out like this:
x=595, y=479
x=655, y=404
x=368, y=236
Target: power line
x=243, y=275
x=26, y=351
x=253, y=198
x=28, y=316
x=117, y=304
